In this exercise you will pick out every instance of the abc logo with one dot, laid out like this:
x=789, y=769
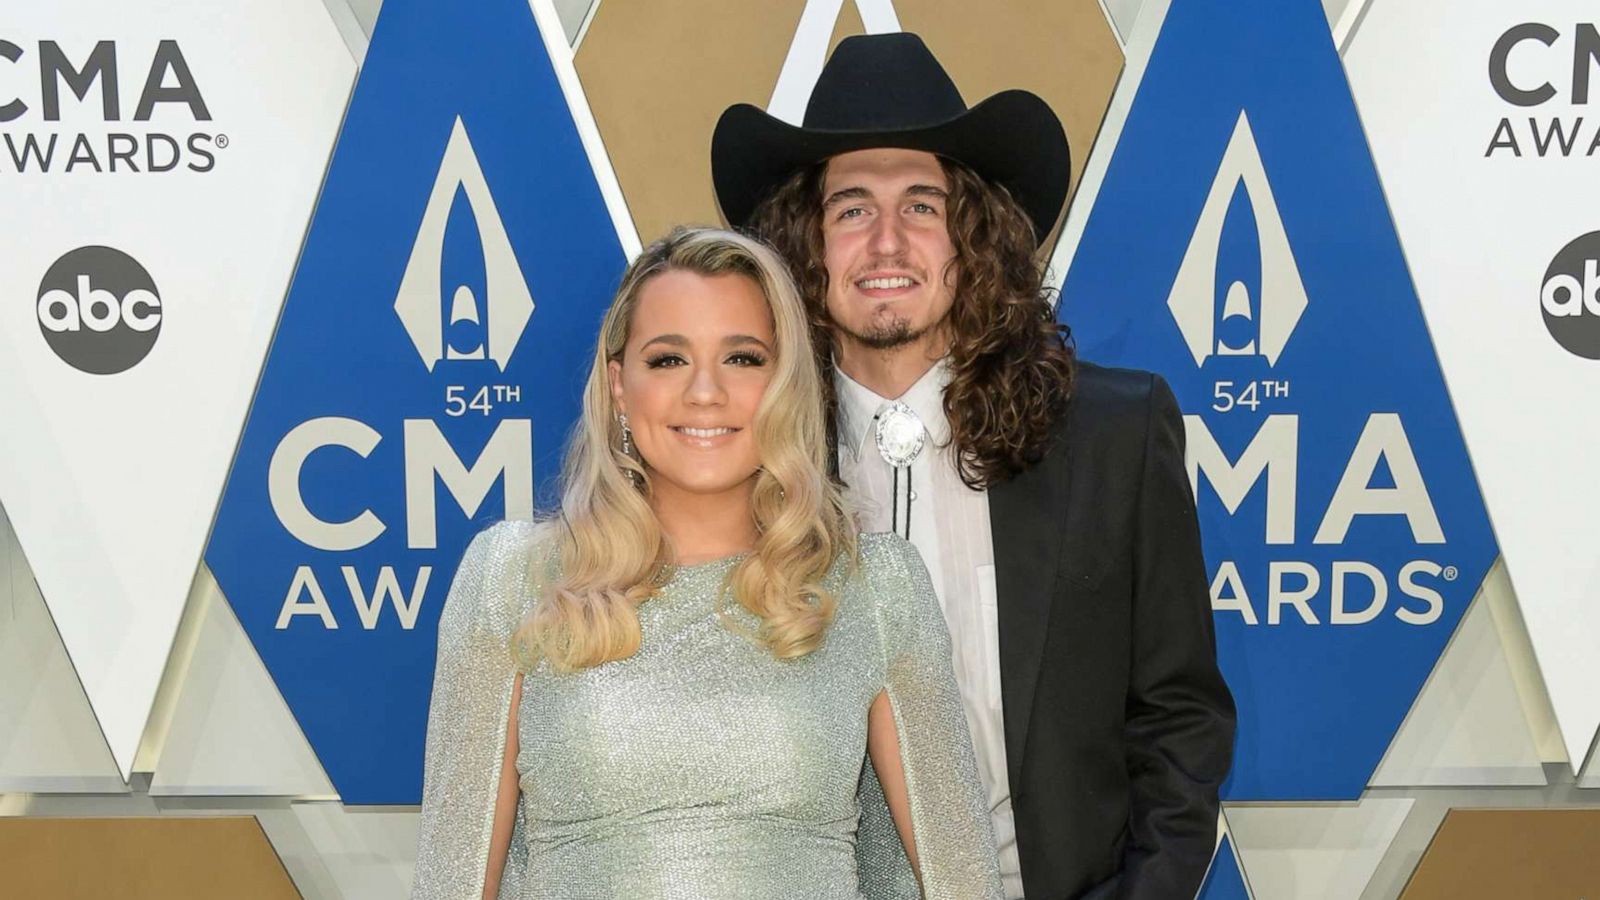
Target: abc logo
x=99, y=310
x=1570, y=297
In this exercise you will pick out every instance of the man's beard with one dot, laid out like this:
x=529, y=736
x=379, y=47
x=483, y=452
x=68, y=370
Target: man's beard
x=890, y=335
x=886, y=330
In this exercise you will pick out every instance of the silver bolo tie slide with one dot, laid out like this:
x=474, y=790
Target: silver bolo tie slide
x=900, y=437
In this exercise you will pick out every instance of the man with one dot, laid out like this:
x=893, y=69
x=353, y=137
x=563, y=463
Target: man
x=1048, y=496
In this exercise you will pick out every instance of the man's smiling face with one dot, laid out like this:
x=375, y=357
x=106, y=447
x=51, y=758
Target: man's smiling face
x=887, y=249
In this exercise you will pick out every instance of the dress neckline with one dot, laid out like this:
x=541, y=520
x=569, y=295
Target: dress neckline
x=728, y=561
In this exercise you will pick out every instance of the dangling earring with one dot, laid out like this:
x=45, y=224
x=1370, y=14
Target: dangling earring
x=627, y=447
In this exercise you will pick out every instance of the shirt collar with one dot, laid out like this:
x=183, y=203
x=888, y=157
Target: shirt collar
x=858, y=405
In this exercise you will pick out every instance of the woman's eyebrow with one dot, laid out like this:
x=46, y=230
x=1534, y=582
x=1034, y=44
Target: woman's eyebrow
x=738, y=340
x=675, y=340
x=732, y=340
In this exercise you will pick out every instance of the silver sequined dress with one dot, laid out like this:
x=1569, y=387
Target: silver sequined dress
x=701, y=768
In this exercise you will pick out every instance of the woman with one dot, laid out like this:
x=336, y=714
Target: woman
x=670, y=691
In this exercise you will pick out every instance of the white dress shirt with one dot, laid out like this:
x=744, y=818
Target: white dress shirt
x=948, y=523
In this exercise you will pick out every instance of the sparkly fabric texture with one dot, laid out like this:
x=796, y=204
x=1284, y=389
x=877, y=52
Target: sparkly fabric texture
x=701, y=767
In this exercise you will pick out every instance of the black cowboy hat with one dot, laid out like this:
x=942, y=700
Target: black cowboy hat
x=887, y=90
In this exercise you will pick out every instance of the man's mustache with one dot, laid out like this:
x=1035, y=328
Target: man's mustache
x=896, y=264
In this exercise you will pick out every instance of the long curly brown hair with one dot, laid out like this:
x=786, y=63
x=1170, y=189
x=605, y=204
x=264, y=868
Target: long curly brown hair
x=1011, y=362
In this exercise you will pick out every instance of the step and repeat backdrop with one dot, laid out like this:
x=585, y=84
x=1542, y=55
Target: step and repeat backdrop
x=301, y=294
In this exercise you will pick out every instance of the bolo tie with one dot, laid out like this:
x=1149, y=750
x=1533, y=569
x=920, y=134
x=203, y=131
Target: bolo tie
x=900, y=437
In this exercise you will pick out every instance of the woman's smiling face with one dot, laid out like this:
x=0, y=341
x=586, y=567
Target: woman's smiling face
x=696, y=364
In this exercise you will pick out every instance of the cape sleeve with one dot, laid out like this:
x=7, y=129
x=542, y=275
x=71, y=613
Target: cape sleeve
x=949, y=817
x=467, y=720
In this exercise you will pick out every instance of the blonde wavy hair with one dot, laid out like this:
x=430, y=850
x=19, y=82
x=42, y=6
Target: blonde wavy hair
x=606, y=553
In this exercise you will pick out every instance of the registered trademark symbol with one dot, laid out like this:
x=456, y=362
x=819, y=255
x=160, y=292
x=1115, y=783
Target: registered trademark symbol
x=222, y=140
x=1451, y=573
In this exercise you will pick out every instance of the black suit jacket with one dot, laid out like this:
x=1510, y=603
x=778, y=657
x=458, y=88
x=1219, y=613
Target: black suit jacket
x=1118, y=726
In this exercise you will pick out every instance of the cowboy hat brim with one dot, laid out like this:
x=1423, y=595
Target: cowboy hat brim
x=1012, y=138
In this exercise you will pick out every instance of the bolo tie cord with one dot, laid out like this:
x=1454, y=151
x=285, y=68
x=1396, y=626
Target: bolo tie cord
x=894, y=505
x=894, y=501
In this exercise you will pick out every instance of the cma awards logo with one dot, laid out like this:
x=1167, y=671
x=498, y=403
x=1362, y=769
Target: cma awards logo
x=412, y=394
x=465, y=330
x=99, y=310
x=1237, y=299
x=447, y=320
x=101, y=85
x=1344, y=534
x=1536, y=67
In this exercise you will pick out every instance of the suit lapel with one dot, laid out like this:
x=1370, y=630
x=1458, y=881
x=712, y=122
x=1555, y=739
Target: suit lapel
x=1025, y=517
